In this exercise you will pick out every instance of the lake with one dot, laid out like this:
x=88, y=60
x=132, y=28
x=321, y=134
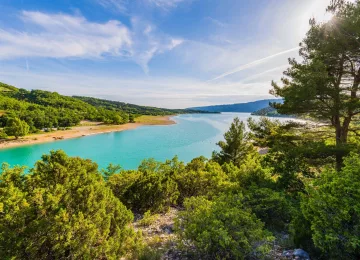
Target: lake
x=193, y=135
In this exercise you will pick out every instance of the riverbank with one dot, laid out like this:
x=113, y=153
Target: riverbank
x=85, y=129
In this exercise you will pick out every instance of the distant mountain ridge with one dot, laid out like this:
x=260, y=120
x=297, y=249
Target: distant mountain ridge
x=248, y=107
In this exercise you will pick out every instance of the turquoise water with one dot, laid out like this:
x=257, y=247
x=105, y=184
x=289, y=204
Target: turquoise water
x=192, y=136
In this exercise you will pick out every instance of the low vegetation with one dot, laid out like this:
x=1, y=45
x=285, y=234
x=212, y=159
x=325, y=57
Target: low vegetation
x=239, y=204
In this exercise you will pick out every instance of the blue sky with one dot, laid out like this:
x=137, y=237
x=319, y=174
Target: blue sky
x=165, y=53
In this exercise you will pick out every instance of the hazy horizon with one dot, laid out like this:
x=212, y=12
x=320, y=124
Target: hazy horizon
x=163, y=53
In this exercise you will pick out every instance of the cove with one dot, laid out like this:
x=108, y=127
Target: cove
x=193, y=135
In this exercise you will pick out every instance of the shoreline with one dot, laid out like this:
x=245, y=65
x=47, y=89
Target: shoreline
x=85, y=130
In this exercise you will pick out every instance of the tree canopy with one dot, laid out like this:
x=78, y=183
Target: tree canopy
x=325, y=85
x=16, y=127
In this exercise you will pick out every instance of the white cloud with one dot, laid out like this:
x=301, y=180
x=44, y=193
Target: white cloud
x=149, y=42
x=67, y=36
x=64, y=36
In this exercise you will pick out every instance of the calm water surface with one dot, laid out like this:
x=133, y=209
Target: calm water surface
x=192, y=136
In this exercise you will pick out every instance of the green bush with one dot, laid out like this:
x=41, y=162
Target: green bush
x=148, y=219
x=62, y=209
x=222, y=229
x=3, y=135
x=333, y=209
x=151, y=187
x=200, y=178
x=269, y=206
x=249, y=173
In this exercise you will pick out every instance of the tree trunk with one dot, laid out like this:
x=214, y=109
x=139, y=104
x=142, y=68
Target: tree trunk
x=341, y=140
x=339, y=157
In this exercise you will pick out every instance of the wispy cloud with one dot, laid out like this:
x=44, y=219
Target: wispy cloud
x=117, y=5
x=125, y=6
x=67, y=36
x=215, y=21
x=148, y=42
x=166, y=4
x=266, y=72
x=252, y=64
x=64, y=36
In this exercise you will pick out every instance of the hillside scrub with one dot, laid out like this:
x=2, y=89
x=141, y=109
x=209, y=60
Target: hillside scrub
x=62, y=209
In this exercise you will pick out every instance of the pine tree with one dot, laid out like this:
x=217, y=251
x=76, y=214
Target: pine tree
x=236, y=146
x=325, y=85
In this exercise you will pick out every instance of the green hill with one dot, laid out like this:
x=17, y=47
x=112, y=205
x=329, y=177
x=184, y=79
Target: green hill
x=43, y=109
x=6, y=88
x=239, y=107
x=131, y=108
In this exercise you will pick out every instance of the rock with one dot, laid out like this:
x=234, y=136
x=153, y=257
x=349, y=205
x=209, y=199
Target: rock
x=301, y=254
x=288, y=254
x=168, y=229
x=298, y=254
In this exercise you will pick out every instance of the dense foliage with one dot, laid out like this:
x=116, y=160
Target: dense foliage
x=332, y=206
x=132, y=109
x=62, y=209
x=200, y=177
x=222, y=229
x=151, y=187
x=16, y=127
x=46, y=110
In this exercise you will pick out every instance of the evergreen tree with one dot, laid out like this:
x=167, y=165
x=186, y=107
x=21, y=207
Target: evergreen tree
x=325, y=85
x=236, y=146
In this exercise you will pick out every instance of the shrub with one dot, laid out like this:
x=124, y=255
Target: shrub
x=200, y=178
x=269, y=206
x=249, y=173
x=61, y=209
x=148, y=219
x=333, y=210
x=222, y=229
x=151, y=187
x=3, y=135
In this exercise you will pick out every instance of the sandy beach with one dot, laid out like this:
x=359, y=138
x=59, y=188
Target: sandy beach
x=85, y=129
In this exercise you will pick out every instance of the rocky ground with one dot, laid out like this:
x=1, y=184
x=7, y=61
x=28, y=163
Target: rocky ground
x=158, y=233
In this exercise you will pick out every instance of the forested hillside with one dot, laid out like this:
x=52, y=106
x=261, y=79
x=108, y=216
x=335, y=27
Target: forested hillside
x=240, y=107
x=133, y=109
x=37, y=109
